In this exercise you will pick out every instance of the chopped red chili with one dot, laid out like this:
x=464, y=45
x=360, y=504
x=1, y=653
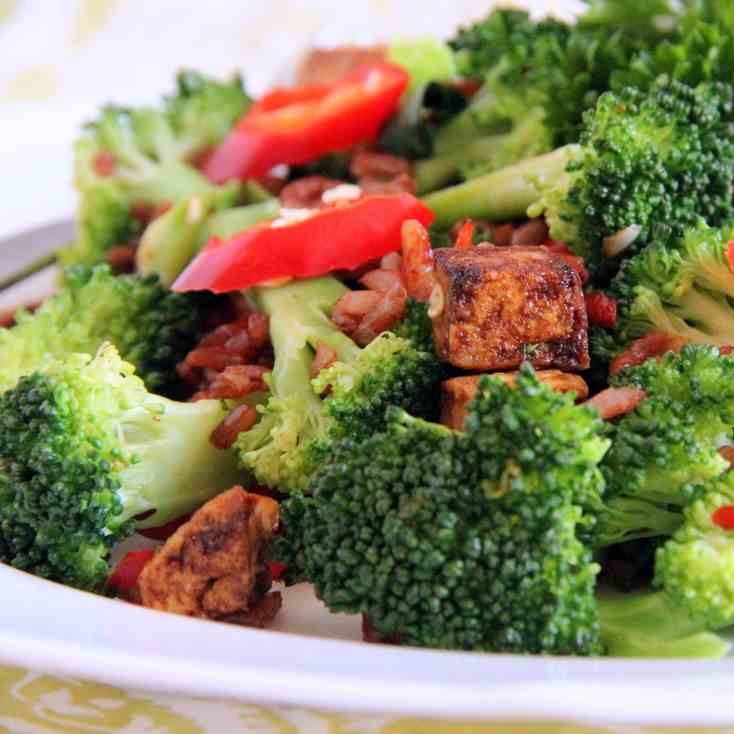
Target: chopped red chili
x=724, y=517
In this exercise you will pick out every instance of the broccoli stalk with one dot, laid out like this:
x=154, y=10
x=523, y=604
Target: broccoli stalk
x=460, y=540
x=146, y=154
x=152, y=328
x=649, y=625
x=667, y=445
x=655, y=162
x=500, y=195
x=171, y=241
x=303, y=417
x=485, y=153
x=84, y=450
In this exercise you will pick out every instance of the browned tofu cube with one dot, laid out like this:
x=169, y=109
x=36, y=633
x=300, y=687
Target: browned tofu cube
x=458, y=392
x=502, y=306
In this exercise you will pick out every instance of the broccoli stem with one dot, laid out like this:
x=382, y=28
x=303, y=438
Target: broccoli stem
x=478, y=119
x=228, y=222
x=648, y=625
x=166, y=182
x=500, y=195
x=713, y=315
x=299, y=320
x=159, y=447
x=432, y=173
x=171, y=240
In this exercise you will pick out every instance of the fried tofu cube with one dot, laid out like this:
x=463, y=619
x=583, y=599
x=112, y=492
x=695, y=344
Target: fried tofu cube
x=458, y=392
x=215, y=565
x=500, y=306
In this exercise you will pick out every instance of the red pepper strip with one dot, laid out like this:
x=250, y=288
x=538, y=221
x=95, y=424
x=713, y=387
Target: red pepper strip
x=730, y=254
x=465, y=236
x=104, y=163
x=724, y=517
x=337, y=238
x=164, y=532
x=300, y=125
x=601, y=308
x=125, y=576
x=276, y=570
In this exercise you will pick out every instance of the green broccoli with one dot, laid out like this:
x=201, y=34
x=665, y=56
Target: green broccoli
x=649, y=166
x=84, y=450
x=487, y=44
x=153, y=328
x=416, y=326
x=460, y=540
x=696, y=566
x=303, y=417
x=649, y=625
x=147, y=155
x=504, y=120
x=539, y=80
x=684, y=291
x=668, y=444
x=700, y=50
x=650, y=19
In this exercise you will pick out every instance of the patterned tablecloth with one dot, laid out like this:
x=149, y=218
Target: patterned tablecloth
x=42, y=704
x=60, y=60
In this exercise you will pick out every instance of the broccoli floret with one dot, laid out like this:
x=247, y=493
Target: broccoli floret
x=504, y=122
x=483, y=46
x=416, y=326
x=696, y=566
x=700, y=50
x=84, y=450
x=171, y=241
x=539, y=79
x=668, y=444
x=147, y=153
x=650, y=19
x=104, y=219
x=152, y=328
x=649, y=625
x=303, y=417
x=460, y=540
x=657, y=162
x=684, y=291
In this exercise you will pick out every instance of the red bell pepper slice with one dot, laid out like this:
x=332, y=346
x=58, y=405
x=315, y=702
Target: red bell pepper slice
x=724, y=517
x=125, y=576
x=302, y=124
x=341, y=237
x=601, y=308
x=730, y=254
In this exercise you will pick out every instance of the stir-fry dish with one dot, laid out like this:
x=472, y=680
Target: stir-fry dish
x=444, y=329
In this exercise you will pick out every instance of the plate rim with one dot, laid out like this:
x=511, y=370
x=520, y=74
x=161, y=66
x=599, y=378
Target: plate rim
x=181, y=655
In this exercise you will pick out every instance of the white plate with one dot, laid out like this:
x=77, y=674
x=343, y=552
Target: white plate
x=313, y=658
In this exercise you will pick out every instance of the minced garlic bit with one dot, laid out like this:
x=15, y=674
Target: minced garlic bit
x=620, y=241
x=292, y=216
x=342, y=192
x=195, y=210
x=436, y=302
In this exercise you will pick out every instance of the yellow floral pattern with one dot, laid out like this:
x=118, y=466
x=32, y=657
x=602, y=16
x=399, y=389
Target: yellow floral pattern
x=43, y=704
